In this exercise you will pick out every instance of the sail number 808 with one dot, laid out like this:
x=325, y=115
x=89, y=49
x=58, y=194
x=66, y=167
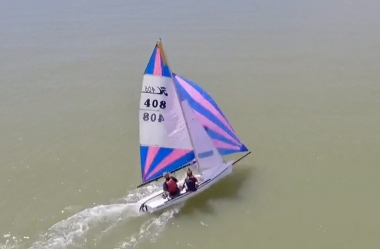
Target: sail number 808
x=153, y=117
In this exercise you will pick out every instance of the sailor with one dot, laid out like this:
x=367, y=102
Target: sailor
x=191, y=182
x=170, y=186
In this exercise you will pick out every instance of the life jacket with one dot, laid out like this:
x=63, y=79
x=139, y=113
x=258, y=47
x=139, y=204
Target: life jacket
x=172, y=186
x=190, y=183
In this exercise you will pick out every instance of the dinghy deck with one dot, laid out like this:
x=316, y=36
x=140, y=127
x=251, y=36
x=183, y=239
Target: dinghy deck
x=156, y=202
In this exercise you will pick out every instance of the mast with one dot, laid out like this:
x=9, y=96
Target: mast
x=180, y=103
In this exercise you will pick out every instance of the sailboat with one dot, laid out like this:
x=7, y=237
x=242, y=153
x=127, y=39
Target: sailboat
x=180, y=126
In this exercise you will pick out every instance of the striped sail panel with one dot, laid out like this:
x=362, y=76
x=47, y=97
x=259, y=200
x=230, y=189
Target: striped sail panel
x=163, y=132
x=206, y=153
x=157, y=160
x=211, y=117
x=157, y=64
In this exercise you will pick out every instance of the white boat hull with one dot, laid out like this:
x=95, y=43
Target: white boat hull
x=155, y=202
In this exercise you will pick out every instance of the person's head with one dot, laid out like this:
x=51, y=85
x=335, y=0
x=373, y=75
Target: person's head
x=189, y=173
x=166, y=175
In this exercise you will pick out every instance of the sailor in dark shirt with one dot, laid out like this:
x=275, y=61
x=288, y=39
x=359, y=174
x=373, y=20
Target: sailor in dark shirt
x=191, y=182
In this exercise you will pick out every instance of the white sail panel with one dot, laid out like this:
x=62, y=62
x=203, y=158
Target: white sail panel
x=161, y=120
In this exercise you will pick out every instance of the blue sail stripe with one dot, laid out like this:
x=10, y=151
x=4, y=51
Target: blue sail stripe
x=143, y=155
x=225, y=152
x=205, y=94
x=206, y=154
x=150, y=66
x=202, y=110
x=208, y=97
x=162, y=154
x=188, y=157
x=166, y=71
x=175, y=165
x=214, y=135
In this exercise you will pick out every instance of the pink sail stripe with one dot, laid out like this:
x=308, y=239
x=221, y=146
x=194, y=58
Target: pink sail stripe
x=204, y=102
x=152, y=152
x=176, y=154
x=222, y=145
x=157, y=63
x=206, y=122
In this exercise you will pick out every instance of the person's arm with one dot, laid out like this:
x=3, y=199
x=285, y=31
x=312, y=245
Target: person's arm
x=165, y=187
x=196, y=181
x=184, y=182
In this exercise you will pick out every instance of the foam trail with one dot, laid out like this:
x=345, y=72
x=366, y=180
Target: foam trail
x=150, y=230
x=90, y=225
x=11, y=242
x=74, y=231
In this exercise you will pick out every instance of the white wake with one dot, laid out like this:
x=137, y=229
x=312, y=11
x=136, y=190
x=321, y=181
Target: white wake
x=149, y=231
x=74, y=232
x=90, y=225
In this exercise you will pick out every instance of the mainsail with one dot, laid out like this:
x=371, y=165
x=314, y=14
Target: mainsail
x=164, y=140
x=211, y=117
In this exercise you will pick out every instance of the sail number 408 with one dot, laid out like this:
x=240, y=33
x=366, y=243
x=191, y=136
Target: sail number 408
x=155, y=103
x=153, y=117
